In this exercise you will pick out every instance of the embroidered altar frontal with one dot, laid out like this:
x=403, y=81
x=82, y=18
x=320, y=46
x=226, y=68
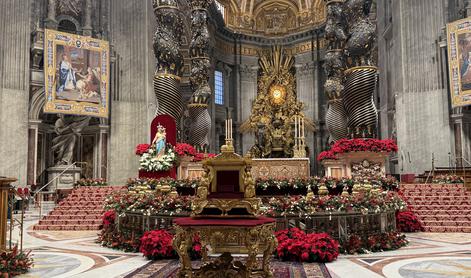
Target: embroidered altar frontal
x=280, y=168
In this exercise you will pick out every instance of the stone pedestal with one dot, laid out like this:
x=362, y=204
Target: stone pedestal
x=62, y=177
x=190, y=170
x=4, y=189
x=285, y=168
x=356, y=164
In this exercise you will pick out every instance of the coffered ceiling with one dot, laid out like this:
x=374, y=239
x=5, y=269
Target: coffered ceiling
x=273, y=17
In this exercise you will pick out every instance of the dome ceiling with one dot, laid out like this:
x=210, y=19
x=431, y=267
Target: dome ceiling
x=273, y=17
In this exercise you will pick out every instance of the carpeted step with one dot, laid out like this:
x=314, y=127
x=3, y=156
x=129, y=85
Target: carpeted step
x=77, y=212
x=82, y=209
x=67, y=227
x=447, y=229
x=426, y=212
x=438, y=207
x=443, y=217
x=72, y=216
x=447, y=223
x=71, y=222
x=440, y=202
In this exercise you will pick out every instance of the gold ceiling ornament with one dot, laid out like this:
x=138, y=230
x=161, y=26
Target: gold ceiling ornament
x=276, y=106
x=273, y=18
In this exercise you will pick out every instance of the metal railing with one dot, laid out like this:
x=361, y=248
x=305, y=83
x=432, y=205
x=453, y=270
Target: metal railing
x=463, y=167
x=38, y=195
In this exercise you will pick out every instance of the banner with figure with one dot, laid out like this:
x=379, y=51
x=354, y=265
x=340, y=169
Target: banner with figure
x=76, y=72
x=459, y=61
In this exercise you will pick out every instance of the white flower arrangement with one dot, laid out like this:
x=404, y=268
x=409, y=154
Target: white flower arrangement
x=149, y=161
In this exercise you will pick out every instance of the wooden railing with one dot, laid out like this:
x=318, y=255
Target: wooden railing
x=338, y=225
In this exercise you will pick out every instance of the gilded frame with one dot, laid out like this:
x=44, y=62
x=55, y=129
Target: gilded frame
x=88, y=46
x=459, y=39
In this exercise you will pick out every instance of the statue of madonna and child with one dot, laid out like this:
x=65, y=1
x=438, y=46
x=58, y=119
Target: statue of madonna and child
x=160, y=141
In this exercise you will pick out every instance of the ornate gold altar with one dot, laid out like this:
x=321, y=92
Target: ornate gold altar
x=354, y=164
x=249, y=236
x=225, y=216
x=286, y=168
x=277, y=118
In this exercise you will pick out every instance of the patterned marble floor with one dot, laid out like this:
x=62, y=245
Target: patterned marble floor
x=75, y=254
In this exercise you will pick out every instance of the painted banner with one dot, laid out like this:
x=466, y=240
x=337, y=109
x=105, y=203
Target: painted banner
x=459, y=61
x=76, y=73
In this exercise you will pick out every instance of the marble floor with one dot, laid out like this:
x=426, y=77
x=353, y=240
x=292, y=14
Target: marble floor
x=75, y=254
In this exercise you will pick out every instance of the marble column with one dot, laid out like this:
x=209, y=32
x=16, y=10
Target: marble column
x=248, y=91
x=87, y=24
x=50, y=22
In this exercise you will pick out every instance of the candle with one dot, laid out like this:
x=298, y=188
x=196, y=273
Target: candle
x=295, y=127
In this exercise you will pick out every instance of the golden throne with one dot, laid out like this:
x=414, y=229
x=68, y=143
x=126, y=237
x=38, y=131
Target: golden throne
x=227, y=188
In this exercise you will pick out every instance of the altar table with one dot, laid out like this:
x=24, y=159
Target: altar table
x=285, y=168
x=242, y=236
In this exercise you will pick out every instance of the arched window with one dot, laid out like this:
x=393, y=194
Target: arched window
x=67, y=26
x=218, y=87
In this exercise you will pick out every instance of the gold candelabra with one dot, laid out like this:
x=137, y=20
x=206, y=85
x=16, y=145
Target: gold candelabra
x=299, y=137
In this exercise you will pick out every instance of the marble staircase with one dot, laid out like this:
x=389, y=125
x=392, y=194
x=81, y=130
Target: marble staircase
x=80, y=210
x=440, y=207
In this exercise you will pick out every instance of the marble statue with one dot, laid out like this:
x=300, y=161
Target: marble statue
x=68, y=129
x=160, y=141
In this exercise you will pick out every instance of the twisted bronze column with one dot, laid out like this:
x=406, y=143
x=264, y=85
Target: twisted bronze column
x=167, y=42
x=199, y=75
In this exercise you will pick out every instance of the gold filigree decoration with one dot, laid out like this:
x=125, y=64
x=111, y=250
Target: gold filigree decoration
x=276, y=106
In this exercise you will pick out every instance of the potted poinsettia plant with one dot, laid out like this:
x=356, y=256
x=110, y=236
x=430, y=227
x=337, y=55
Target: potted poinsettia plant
x=185, y=151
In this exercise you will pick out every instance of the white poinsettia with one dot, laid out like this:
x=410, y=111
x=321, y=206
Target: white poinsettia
x=149, y=162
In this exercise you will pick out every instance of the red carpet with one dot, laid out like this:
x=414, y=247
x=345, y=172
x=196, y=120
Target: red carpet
x=81, y=210
x=440, y=207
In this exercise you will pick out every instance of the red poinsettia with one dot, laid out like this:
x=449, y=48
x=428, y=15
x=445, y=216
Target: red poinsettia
x=203, y=156
x=295, y=245
x=157, y=245
x=185, y=149
x=407, y=221
x=15, y=262
x=142, y=148
x=358, y=145
x=108, y=218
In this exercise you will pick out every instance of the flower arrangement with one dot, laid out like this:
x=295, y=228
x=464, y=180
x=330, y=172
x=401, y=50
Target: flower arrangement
x=203, y=156
x=448, y=179
x=157, y=245
x=108, y=218
x=91, y=182
x=358, y=145
x=373, y=243
x=335, y=186
x=295, y=245
x=183, y=149
x=407, y=221
x=15, y=262
x=141, y=149
x=151, y=163
x=385, y=242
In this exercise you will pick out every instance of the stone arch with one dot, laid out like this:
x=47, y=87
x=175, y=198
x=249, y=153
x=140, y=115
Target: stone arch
x=38, y=100
x=72, y=19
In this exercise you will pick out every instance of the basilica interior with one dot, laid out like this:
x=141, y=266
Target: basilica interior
x=235, y=138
